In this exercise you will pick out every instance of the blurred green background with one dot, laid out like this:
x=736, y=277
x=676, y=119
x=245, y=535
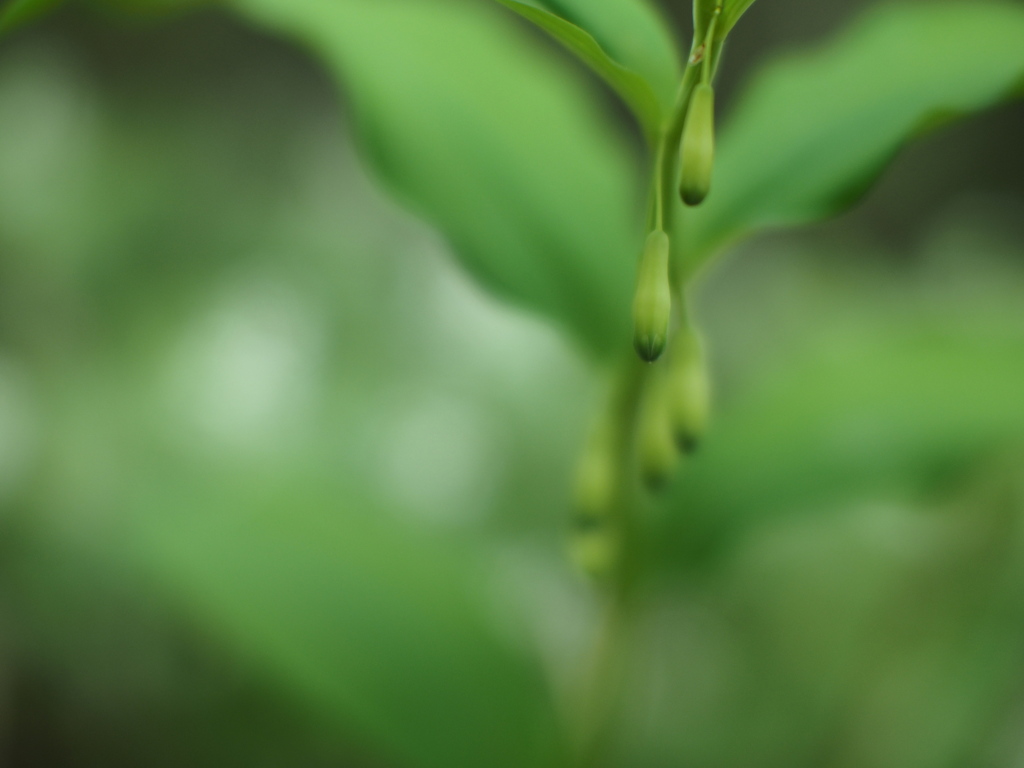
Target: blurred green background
x=280, y=485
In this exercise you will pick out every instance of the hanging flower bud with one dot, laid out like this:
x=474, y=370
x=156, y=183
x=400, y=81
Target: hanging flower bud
x=697, y=152
x=658, y=451
x=652, y=303
x=597, y=473
x=689, y=390
x=595, y=537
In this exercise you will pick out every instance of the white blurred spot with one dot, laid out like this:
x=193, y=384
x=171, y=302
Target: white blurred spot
x=248, y=371
x=439, y=458
x=521, y=352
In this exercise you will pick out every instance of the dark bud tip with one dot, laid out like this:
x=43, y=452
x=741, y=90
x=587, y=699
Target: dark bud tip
x=656, y=482
x=650, y=348
x=688, y=444
x=693, y=196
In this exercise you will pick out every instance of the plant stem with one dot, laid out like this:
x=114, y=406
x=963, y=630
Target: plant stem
x=609, y=663
x=707, y=71
x=666, y=161
x=607, y=671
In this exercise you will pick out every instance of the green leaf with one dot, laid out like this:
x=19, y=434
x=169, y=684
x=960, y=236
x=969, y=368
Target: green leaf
x=879, y=411
x=634, y=90
x=376, y=627
x=152, y=8
x=632, y=33
x=492, y=141
x=814, y=131
x=67, y=612
x=15, y=13
x=384, y=628
x=704, y=10
x=732, y=10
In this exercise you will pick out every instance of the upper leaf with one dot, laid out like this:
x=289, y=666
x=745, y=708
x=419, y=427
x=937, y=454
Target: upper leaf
x=630, y=31
x=889, y=412
x=731, y=12
x=491, y=141
x=635, y=90
x=704, y=10
x=814, y=131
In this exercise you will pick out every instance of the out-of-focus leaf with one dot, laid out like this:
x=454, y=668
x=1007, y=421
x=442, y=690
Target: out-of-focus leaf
x=151, y=7
x=385, y=632
x=378, y=629
x=14, y=13
x=379, y=625
x=882, y=411
x=630, y=86
x=809, y=622
x=111, y=661
x=814, y=131
x=489, y=140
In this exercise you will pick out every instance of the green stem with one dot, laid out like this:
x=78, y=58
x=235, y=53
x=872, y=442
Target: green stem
x=709, y=47
x=606, y=674
x=666, y=163
x=699, y=69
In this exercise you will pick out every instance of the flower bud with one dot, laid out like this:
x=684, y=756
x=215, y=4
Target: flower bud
x=652, y=303
x=597, y=473
x=689, y=390
x=697, y=151
x=593, y=541
x=658, y=451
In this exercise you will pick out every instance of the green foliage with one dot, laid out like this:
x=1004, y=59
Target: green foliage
x=634, y=90
x=376, y=624
x=703, y=12
x=491, y=141
x=353, y=616
x=890, y=407
x=15, y=13
x=732, y=10
x=814, y=131
x=877, y=634
x=631, y=32
x=283, y=550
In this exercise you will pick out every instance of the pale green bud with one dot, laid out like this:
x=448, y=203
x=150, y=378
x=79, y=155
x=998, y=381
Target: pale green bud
x=697, y=151
x=597, y=473
x=652, y=303
x=593, y=543
x=658, y=452
x=689, y=390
